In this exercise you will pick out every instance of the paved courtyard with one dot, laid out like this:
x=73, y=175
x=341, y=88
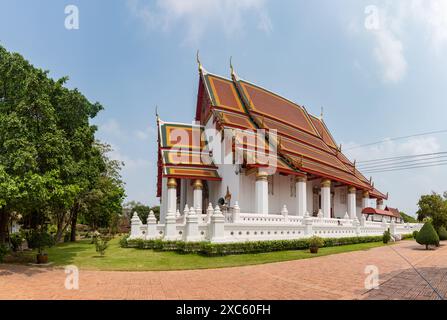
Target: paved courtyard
x=339, y=276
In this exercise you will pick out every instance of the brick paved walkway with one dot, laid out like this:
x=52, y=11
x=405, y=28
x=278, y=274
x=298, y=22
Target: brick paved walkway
x=339, y=276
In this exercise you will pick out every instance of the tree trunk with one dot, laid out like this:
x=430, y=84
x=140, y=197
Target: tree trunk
x=426, y=247
x=4, y=220
x=74, y=220
x=59, y=232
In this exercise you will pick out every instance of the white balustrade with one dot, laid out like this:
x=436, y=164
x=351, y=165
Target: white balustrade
x=234, y=226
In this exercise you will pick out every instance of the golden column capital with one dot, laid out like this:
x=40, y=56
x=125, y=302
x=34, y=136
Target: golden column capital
x=365, y=194
x=301, y=179
x=172, y=183
x=198, y=184
x=261, y=175
x=326, y=183
x=379, y=201
x=352, y=190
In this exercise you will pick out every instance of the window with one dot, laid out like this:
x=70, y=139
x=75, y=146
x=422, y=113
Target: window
x=270, y=184
x=343, y=195
x=358, y=200
x=292, y=187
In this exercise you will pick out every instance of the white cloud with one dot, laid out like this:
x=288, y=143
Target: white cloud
x=388, y=48
x=145, y=134
x=433, y=15
x=197, y=16
x=111, y=127
x=388, y=51
x=396, y=19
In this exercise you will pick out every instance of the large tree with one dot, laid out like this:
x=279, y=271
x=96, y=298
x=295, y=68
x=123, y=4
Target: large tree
x=48, y=158
x=433, y=206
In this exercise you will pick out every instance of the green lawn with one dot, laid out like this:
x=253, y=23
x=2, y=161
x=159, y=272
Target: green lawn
x=83, y=255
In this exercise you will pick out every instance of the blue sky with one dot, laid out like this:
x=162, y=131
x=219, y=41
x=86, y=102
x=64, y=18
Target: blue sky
x=131, y=55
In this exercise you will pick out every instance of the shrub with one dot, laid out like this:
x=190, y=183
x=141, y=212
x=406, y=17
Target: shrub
x=3, y=252
x=407, y=236
x=16, y=241
x=415, y=234
x=316, y=242
x=123, y=241
x=39, y=239
x=442, y=233
x=101, y=246
x=386, y=236
x=220, y=249
x=427, y=236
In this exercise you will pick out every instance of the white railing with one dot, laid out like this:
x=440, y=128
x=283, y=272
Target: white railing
x=233, y=226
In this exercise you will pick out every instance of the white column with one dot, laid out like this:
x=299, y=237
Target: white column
x=352, y=203
x=172, y=195
x=365, y=200
x=261, y=193
x=197, y=193
x=380, y=204
x=326, y=198
x=301, y=196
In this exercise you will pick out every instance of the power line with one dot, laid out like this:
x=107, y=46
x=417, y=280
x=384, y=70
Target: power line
x=397, y=138
x=436, y=164
x=400, y=157
x=394, y=163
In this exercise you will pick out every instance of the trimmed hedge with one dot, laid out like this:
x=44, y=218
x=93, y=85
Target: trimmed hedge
x=442, y=233
x=221, y=249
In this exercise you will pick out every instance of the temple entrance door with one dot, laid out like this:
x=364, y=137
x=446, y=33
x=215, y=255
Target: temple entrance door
x=316, y=202
x=332, y=205
x=205, y=196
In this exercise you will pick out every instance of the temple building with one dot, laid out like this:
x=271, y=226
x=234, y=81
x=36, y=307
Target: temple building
x=294, y=164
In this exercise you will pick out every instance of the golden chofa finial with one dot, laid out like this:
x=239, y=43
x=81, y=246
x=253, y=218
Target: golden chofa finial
x=198, y=60
x=156, y=114
x=231, y=65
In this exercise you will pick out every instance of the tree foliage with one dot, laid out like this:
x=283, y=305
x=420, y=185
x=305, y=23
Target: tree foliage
x=101, y=205
x=407, y=218
x=433, y=206
x=48, y=157
x=142, y=210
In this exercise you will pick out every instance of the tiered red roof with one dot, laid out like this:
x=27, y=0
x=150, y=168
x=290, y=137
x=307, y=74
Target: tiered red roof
x=306, y=144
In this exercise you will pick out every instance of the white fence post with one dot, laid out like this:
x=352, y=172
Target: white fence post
x=170, y=226
x=217, y=225
x=209, y=213
x=135, y=226
x=392, y=228
x=285, y=213
x=236, y=212
x=151, y=226
x=356, y=224
x=307, y=222
x=192, y=226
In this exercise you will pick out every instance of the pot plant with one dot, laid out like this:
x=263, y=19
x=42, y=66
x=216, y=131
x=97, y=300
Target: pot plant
x=315, y=243
x=42, y=240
